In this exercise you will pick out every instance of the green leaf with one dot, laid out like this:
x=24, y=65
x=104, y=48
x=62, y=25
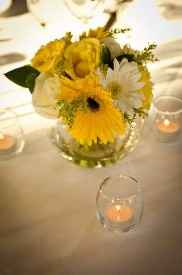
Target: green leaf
x=106, y=56
x=30, y=80
x=24, y=76
x=129, y=57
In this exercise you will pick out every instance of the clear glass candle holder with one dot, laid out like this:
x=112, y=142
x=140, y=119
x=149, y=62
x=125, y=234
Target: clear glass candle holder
x=167, y=122
x=119, y=203
x=11, y=135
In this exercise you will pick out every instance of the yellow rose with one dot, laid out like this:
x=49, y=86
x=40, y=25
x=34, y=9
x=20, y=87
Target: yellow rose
x=82, y=58
x=46, y=56
x=147, y=89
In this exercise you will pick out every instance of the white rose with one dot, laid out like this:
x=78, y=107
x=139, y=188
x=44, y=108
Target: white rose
x=113, y=46
x=45, y=94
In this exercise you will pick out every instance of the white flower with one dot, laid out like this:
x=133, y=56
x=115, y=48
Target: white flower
x=45, y=94
x=124, y=82
x=113, y=46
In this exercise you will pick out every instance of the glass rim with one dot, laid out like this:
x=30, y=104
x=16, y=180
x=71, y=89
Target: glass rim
x=11, y=120
x=161, y=97
x=104, y=181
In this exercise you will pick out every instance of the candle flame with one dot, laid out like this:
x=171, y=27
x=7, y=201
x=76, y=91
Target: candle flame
x=119, y=213
x=1, y=136
x=118, y=207
x=166, y=122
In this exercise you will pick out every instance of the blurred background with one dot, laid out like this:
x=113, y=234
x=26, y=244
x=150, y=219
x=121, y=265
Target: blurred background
x=29, y=23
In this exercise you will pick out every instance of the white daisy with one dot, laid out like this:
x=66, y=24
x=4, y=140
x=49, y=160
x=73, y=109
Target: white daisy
x=124, y=82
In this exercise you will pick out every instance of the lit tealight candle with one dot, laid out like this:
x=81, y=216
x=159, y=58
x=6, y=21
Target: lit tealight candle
x=167, y=126
x=7, y=143
x=119, y=213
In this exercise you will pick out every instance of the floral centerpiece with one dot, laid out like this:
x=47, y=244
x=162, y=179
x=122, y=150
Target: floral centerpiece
x=98, y=90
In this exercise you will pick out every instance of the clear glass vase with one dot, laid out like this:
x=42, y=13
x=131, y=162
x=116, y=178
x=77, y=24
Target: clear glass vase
x=97, y=155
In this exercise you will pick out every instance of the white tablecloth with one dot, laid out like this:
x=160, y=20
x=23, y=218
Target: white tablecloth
x=48, y=221
x=47, y=204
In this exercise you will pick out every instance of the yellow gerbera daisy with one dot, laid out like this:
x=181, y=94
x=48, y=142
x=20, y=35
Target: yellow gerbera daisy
x=99, y=121
x=46, y=56
x=72, y=89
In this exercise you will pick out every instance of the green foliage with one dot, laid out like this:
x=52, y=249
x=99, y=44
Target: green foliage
x=105, y=56
x=140, y=57
x=59, y=67
x=130, y=118
x=104, y=69
x=67, y=110
x=24, y=76
x=146, y=55
x=140, y=112
x=128, y=56
x=116, y=31
x=68, y=36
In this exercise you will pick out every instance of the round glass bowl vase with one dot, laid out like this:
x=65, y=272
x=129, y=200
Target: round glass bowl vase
x=97, y=155
x=119, y=203
x=167, y=121
x=11, y=135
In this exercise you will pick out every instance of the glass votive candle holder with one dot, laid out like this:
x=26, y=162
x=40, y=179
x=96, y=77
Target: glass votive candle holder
x=167, y=118
x=119, y=203
x=11, y=135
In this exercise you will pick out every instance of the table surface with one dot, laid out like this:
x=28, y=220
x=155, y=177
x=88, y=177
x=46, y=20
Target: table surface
x=47, y=204
x=48, y=221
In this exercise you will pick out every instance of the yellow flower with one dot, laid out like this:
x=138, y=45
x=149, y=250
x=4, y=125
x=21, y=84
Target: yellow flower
x=46, y=56
x=147, y=89
x=70, y=90
x=100, y=121
x=100, y=33
x=82, y=58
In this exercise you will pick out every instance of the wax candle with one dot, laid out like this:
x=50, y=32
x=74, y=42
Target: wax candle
x=167, y=126
x=7, y=143
x=119, y=213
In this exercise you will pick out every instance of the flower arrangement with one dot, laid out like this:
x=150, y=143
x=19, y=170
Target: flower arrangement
x=94, y=85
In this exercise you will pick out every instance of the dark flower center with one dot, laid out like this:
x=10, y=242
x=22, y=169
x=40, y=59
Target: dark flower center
x=93, y=104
